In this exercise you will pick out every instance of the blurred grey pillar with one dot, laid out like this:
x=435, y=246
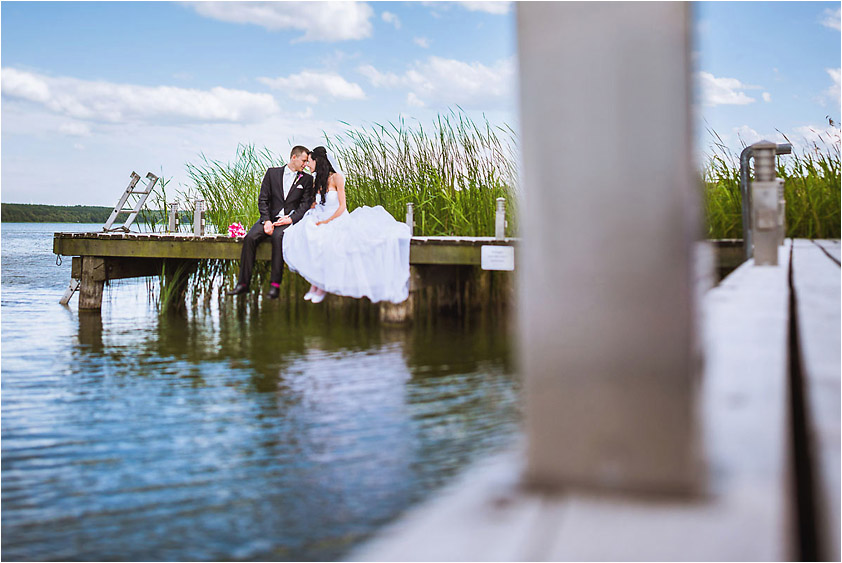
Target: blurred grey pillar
x=765, y=205
x=609, y=222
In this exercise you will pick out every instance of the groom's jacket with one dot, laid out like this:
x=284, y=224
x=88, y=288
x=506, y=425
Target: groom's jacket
x=271, y=200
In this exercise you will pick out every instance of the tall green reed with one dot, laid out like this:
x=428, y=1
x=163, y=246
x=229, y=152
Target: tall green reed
x=811, y=190
x=230, y=189
x=453, y=173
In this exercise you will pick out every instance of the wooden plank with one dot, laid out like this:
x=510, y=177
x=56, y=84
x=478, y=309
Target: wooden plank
x=155, y=248
x=742, y=514
x=482, y=516
x=423, y=250
x=119, y=268
x=465, y=241
x=831, y=247
x=729, y=253
x=71, y=289
x=816, y=281
x=441, y=254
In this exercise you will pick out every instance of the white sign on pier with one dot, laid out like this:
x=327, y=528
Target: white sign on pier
x=498, y=258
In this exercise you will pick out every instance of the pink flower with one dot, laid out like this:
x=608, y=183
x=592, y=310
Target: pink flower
x=236, y=230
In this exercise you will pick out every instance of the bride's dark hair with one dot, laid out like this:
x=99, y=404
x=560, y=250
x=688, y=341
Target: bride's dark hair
x=323, y=170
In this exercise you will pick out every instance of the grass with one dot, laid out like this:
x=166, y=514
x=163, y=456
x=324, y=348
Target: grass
x=811, y=190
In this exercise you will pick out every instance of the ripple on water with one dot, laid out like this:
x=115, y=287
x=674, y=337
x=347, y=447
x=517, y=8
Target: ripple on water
x=228, y=434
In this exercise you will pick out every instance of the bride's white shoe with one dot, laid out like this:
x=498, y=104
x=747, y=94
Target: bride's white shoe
x=318, y=297
x=308, y=296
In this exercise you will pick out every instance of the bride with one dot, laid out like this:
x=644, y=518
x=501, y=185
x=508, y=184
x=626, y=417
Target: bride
x=364, y=253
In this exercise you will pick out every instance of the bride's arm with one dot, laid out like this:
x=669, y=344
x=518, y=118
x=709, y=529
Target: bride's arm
x=339, y=182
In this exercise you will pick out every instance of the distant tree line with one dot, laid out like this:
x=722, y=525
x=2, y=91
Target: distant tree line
x=36, y=213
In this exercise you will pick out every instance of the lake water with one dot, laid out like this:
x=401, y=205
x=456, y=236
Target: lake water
x=238, y=432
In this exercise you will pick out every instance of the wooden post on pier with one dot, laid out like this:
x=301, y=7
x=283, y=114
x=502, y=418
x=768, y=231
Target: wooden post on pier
x=607, y=312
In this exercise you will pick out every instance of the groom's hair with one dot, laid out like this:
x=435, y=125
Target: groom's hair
x=298, y=149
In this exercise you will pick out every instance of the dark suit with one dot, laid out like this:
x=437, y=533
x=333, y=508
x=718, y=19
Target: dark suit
x=271, y=203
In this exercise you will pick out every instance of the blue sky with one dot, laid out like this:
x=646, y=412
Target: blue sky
x=92, y=91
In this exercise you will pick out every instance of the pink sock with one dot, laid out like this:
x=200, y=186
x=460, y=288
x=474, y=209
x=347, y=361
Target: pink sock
x=275, y=284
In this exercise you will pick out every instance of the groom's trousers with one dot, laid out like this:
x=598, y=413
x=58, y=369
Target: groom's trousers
x=255, y=236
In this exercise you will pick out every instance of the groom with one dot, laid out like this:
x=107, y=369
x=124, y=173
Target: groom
x=285, y=195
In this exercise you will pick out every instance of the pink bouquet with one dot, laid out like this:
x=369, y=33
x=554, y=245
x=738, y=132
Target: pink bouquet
x=236, y=230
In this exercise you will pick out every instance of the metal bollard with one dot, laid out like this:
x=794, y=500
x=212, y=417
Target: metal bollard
x=764, y=203
x=172, y=226
x=199, y=218
x=745, y=191
x=500, y=219
x=410, y=217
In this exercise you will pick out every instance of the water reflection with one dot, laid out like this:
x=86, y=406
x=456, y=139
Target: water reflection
x=243, y=430
x=90, y=332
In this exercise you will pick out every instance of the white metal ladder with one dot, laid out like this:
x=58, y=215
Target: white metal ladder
x=143, y=193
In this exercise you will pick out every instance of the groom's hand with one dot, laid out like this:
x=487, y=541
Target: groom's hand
x=268, y=227
x=285, y=220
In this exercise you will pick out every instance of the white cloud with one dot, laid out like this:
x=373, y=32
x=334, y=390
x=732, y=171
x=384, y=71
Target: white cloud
x=722, y=91
x=24, y=85
x=110, y=102
x=748, y=135
x=767, y=97
x=488, y=7
x=113, y=150
x=832, y=19
x=307, y=86
x=833, y=92
x=75, y=129
x=804, y=137
x=814, y=135
x=320, y=21
x=422, y=42
x=391, y=18
x=447, y=82
x=412, y=100
x=379, y=79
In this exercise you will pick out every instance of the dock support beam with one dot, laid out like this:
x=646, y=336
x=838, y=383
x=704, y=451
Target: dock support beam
x=606, y=302
x=93, y=280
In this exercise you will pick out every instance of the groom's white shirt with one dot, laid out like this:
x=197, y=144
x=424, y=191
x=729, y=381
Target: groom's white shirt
x=289, y=178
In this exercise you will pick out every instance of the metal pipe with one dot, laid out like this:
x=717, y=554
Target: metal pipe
x=744, y=159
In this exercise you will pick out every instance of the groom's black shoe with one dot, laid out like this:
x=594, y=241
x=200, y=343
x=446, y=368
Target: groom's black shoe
x=274, y=292
x=239, y=289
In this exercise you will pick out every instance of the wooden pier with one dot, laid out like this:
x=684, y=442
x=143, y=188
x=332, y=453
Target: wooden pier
x=770, y=412
x=99, y=257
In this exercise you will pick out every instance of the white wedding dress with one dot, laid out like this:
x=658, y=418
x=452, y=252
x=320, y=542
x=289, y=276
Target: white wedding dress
x=364, y=253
